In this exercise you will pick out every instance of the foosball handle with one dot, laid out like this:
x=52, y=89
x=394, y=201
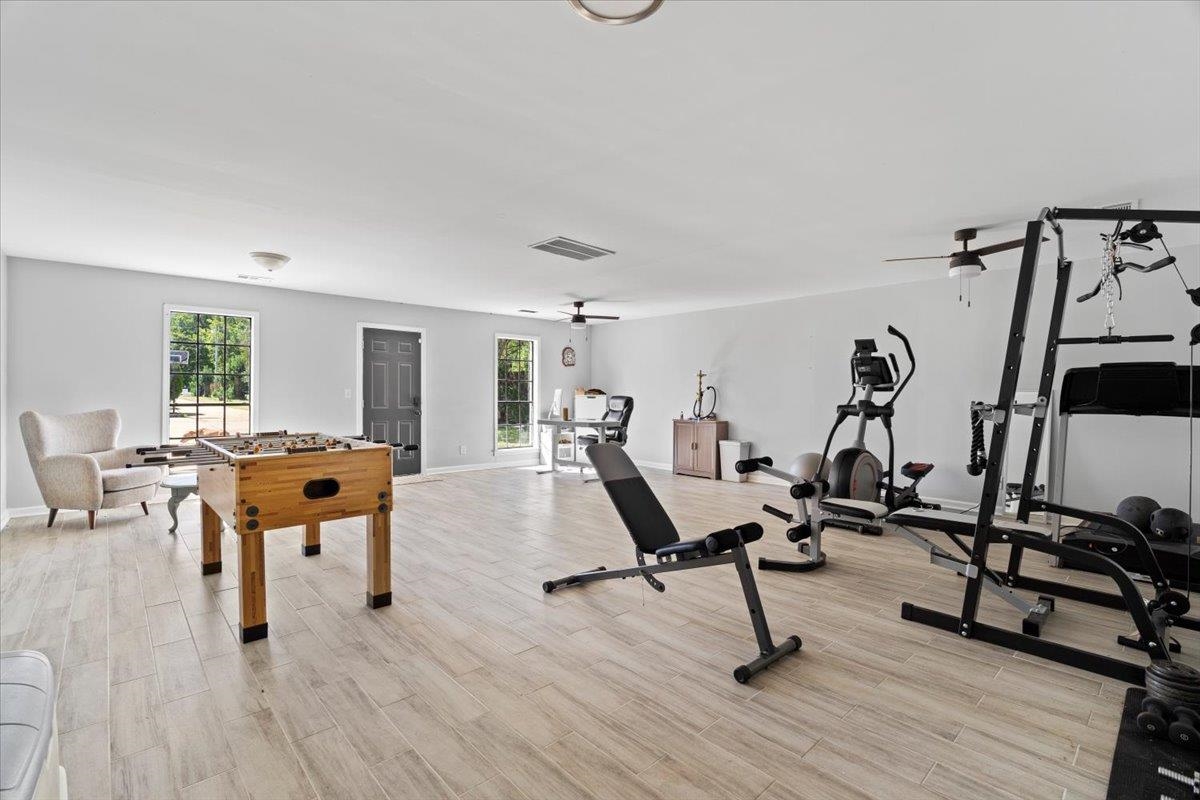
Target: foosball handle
x=406, y=447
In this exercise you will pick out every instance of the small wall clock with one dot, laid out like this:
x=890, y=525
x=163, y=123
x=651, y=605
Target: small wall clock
x=568, y=356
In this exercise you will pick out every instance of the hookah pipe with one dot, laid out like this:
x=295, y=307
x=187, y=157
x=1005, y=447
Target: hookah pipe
x=698, y=405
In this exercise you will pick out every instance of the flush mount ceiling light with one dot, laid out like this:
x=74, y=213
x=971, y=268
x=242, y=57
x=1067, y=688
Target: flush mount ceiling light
x=271, y=262
x=615, y=12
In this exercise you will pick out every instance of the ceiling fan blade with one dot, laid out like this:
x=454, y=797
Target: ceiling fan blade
x=568, y=313
x=918, y=258
x=1002, y=246
x=599, y=316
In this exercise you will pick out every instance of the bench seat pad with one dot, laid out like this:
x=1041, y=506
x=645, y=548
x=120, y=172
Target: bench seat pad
x=952, y=522
x=859, y=509
x=714, y=543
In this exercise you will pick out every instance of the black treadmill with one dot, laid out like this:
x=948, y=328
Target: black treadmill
x=1136, y=388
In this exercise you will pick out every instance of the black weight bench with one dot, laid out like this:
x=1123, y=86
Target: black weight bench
x=654, y=534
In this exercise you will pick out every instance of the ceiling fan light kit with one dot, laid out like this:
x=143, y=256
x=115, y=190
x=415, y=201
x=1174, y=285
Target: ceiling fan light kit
x=966, y=266
x=579, y=320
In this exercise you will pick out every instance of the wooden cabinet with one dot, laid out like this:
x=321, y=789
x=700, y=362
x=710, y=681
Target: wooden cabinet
x=696, y=447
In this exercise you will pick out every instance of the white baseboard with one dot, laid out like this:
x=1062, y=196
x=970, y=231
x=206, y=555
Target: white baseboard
x=526, y=462
x=26, y=511
x=39, y=511
x=652, y=465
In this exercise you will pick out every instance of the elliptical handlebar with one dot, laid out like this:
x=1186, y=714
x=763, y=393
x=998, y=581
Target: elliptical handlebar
x=912, y=364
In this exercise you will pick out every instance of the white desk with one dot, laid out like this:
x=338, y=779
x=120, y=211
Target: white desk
x=602, y=427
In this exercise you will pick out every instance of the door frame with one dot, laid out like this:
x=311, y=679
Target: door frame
x=360, y=348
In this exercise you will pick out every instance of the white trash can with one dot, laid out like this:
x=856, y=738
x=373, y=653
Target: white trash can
x=731, y=453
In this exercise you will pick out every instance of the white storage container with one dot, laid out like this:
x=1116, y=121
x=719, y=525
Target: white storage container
x=731, y=453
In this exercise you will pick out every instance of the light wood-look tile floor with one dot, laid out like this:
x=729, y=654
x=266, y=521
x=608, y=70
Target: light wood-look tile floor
x=475, y=685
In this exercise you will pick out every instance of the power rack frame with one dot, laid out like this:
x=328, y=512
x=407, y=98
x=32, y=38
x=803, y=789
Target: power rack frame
x=1151, y=618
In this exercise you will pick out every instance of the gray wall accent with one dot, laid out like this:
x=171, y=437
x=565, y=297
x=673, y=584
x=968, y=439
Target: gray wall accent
x=91, y=337
x=781, y=368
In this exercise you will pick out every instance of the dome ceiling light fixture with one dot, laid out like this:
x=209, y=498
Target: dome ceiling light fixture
x=271, y=262
x=615, y=12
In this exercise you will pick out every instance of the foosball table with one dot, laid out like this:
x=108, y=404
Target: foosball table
x=267, y=481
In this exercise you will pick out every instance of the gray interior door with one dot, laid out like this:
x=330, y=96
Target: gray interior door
x=392, y=393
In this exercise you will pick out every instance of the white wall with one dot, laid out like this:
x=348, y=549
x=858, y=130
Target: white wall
x=3, y=390
x=88, y=337
x=782, y=367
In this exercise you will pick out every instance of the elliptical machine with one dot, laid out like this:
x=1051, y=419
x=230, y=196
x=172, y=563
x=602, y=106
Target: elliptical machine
x=847, y=491
x=856, y=473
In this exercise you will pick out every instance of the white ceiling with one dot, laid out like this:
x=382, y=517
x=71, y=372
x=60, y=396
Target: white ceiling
x=730, y=152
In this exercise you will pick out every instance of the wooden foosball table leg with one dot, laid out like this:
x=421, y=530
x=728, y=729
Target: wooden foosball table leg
x=252, y=586
x=312, y=539
x=379, y=559
x=210, y=540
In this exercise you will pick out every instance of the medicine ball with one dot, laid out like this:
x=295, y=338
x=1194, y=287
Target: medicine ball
x=805, y=466
x=1170, y=525
x=1136, y=510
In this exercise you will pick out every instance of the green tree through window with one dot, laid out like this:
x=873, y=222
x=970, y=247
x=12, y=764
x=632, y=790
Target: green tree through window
x=514, y=393
x=209, y=366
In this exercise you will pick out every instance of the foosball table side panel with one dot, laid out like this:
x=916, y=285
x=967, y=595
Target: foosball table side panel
x=280, y=492
x=217, y=489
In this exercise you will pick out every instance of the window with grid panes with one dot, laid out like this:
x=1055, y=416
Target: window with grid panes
x=209, y=364
x=515, y=365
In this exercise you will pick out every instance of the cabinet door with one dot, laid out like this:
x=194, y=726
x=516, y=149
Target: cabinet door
x=706, y=449
x=685, y=446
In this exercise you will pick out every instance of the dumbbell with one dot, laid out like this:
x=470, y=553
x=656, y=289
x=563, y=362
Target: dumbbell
x=1185, y=730
x=1153, y=718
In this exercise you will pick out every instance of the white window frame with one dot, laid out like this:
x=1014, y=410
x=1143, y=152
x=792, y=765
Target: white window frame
x=166, y=361
x=359, y=398
x=533, y=400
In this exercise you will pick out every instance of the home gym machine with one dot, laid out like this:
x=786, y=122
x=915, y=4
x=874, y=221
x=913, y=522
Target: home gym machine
x=848, y=490
x=808, y=478
x=1150, y=617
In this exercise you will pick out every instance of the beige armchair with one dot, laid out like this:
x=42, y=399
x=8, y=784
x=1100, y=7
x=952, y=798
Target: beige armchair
x=78, y=465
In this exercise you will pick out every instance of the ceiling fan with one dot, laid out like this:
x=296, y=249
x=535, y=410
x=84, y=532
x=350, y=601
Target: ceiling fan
x=968, y=263
x=579, y=320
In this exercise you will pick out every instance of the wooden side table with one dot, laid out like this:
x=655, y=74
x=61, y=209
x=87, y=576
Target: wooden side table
x=181, y=486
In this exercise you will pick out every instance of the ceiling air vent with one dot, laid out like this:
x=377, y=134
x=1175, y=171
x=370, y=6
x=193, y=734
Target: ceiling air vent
x=255, y=278
x=562, y=246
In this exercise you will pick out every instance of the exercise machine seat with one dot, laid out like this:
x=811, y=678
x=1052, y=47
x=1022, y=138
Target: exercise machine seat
x=858, y=509
x=715, y=543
